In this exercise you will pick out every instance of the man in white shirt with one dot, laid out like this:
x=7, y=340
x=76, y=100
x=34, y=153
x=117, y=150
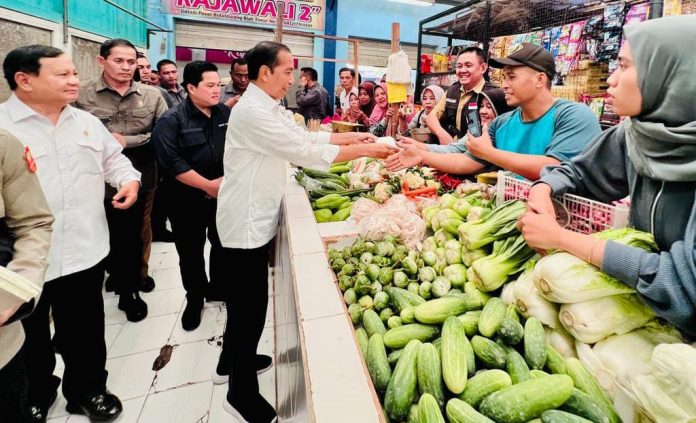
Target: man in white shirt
x=261, y=138
x=74, y=155
x=346, y=77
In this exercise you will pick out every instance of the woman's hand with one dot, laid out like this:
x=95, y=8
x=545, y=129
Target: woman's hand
x=541, y=231
x=539, y=200
x=411, y=156
x=390, y=113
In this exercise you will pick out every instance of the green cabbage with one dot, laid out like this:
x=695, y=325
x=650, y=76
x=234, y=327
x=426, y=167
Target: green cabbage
x=426, y=274
x=400, y=279
x=507, y=259
x=381, y=300
x=429, y=257
x=440, y=286
x=501, y=223
x=456, y=274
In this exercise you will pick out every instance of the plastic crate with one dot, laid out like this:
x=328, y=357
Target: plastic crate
x=584, y=215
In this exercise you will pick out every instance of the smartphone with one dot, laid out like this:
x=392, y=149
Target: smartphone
x=473, y=120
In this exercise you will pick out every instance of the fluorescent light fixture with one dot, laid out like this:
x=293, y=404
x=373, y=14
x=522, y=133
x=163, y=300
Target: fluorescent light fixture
x=415, y=2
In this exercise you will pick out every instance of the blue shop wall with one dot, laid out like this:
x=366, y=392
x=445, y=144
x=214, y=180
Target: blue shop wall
x=94, y=16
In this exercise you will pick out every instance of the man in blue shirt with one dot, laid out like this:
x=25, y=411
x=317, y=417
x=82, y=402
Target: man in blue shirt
x=541, y=131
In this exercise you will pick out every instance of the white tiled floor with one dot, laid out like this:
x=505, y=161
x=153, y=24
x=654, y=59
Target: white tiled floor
x=182, y=391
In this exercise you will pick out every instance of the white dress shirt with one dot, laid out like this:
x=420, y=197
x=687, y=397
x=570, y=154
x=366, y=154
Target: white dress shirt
x=74, y=158
x=261, y=138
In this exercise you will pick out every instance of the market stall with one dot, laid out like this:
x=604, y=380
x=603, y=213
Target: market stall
x=383, y=319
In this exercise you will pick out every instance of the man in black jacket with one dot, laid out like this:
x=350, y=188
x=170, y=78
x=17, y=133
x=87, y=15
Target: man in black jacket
x=446, y=120
x=189, y=143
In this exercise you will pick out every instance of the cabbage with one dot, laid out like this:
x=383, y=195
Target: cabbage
x=381, y=300
x=400, y=279
x=426, y=274
x=440, y=266
x=453, y=244
x=451, y=225
x=429, y=257
x=462, y=207
x=453, y=256
x=477, y=213
x=456, y=274
x=561, y=340
x=442, y=236
x=362, y=285
x=447, y=201
x=629, y=236
x=366, y=258
x=345, y=282
x=441, y=286
x=674, y=365
x=530, y=303
x=440, y=251
x=507, y=259
x=507, y=294
x=429, y=244
x=593, y=320
x=409, y=265
x=660, y=406
x=564, y=278
x=375, y=288
x=413, y=288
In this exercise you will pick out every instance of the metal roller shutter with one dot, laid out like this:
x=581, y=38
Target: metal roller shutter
x=233, y=37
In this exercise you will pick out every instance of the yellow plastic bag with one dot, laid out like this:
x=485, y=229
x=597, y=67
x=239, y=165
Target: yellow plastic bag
x=396, y=93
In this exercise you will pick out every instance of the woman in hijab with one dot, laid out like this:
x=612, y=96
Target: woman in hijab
x=430, y=96
x=650, y=156
x=381, y=116
x=362, y=113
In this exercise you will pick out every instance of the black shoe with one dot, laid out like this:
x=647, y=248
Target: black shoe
x=255, y=411
x=38, y=410
x=191, y=317
x=165, y=236
x=147, y=285
x=134, y=307
x=102, y=407
x=263, y=363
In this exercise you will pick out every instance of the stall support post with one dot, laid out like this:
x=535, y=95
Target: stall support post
x=395, y=39
x=656, y=9
x=356, y=48
x=419, y=76
x=279, y=23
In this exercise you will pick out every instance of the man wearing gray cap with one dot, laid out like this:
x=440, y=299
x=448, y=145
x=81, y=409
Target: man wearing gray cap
x=541, y=131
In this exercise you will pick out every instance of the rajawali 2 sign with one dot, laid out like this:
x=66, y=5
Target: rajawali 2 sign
x=307, y=14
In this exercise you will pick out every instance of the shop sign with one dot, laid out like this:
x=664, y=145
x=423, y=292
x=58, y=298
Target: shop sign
x=305, y=14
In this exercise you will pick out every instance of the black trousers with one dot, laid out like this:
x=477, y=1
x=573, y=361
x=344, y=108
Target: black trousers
x=14, y=389
x=245, y=324
x=193, y=220
x=125, y=259
x=160, y=208
x=77, y=307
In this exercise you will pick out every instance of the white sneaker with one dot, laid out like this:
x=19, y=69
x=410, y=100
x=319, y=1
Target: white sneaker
x=231, y=410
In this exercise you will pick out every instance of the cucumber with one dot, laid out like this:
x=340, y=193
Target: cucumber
x=491, y=316
x=510, y=331
x=377, y=363
x=430, y=373
x=454, y=360
x=557, y=416
x=483, y=384
x=401, y=335
x=585, y=382
x=363, y=340
x=470, y=358
x=534, y=343
x=394, y=356
x=555, y=362
x=438, y=343
x=470, y=321
x=429, y=410
x=372, y=323
x=438, y=310
x=394, y=321
x=459, y=411
x=585, y=406
x=408, y=315
x=401, y=389
x=534, y=373
x=527, y=400
x=402, y=298
x=490, y=353
x=517, y=368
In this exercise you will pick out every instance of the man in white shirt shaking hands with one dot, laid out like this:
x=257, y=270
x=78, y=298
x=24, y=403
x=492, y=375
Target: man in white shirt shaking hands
x=261, y=138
